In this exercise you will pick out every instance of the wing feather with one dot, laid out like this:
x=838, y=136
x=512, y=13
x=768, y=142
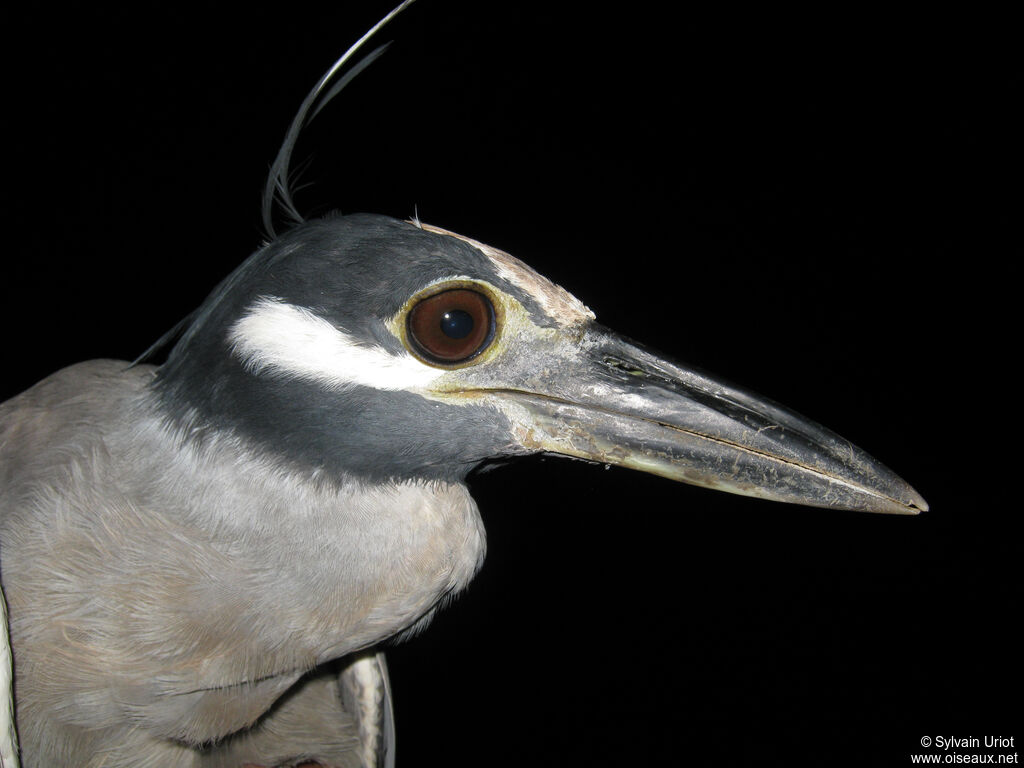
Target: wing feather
x=8, y=734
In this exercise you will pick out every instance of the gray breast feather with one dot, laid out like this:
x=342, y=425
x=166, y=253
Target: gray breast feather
x=144, y=571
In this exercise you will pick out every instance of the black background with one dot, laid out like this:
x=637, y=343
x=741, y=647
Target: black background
x=805, y=205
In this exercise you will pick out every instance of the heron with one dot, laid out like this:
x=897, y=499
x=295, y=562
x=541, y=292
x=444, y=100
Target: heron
x=201, y=560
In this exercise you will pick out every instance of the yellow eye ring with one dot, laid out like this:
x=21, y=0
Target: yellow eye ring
x=451, y=324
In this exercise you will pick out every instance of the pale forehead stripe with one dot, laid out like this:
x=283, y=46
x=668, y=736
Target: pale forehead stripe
x=556, y=302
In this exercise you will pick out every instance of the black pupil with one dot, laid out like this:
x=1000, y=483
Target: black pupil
x=456, y=324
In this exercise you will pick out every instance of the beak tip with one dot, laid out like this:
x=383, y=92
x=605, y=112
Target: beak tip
x=916, y=502
x=910, y=503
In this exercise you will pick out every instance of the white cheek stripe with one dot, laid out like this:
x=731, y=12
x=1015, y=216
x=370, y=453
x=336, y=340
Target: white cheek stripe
x=284, y=339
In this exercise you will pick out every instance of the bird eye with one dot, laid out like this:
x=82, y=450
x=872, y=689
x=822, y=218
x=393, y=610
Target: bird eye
x=452, y=326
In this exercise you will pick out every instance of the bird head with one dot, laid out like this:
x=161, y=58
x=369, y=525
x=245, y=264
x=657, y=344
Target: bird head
x=365, y=348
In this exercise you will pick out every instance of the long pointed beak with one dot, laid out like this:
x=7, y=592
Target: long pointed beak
x=618, y=403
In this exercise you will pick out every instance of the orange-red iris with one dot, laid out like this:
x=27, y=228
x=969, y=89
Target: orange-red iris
x=452, y=326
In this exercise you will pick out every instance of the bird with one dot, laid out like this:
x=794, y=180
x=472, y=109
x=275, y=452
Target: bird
x=201, y=560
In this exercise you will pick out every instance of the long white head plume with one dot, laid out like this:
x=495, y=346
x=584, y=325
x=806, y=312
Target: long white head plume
x=277, y=187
